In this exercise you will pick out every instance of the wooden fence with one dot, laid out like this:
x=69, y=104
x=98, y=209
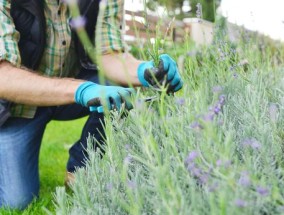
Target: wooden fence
x=143, y=27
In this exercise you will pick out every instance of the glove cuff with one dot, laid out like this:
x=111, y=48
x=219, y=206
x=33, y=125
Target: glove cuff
x=141, y=70
x=79, y=94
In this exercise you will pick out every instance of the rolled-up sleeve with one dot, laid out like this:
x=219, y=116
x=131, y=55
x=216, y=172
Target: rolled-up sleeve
x=9, y=36
x=110, y=29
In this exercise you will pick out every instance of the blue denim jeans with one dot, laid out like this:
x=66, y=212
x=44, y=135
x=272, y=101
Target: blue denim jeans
x=20, y=141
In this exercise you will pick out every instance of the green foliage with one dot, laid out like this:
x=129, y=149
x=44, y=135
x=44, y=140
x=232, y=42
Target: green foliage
x=170, y=5
x=208, y=8
x=216, y=147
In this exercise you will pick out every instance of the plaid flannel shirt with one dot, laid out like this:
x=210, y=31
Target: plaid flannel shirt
x=59, y=58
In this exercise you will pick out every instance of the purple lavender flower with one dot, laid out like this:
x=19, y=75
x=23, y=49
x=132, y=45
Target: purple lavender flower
x=240, y=203
x=244, y=179
x=77, y=22
x=217, y=109
x=209, y=117
x=263, y=191
x=190, y=166
x=222, y=99
x=196, y=172
x=273, y=112
x=219, y=163
x=246, y=142
x=203, y=178
x=218, y=105
x=196, y=125
x=191, y=157
x=180, y=101
x=226, y=164
x=252, y=142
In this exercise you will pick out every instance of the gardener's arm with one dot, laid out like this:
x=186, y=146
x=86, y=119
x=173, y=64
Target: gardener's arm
x=122, y=67
x=19, y=85
x=25, y=87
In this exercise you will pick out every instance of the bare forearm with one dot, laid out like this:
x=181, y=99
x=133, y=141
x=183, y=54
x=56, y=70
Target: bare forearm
x=21, y=86
x=121, y=68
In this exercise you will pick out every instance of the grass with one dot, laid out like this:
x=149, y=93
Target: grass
x=58, y=137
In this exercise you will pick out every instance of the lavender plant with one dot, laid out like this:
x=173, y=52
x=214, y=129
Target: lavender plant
x=217, y=148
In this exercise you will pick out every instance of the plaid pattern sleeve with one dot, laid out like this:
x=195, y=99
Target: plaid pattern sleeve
x=111, y=27
x=9, y=37
x=9, y=50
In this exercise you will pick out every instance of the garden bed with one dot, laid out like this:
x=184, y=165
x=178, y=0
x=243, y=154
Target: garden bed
x=216, y=147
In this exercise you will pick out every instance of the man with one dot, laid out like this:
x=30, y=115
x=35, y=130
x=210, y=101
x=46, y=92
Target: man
x=59, y=82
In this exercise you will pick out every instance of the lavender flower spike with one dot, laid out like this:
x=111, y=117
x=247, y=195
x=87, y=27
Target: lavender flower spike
x=263, y=191
x=209, y=117
x=77, y=22
x=191, y=157
x=219, y=163
x=240, y=203
x=252, y=142
x=222, y=99
x=196, y=125
x=217, y=109
x=180, y=101
x=273, y=112
x=245, y=179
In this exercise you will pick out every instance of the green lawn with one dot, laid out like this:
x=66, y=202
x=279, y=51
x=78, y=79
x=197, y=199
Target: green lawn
x=58, y=137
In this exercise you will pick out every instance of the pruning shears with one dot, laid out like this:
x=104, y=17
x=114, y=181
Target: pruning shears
x=100, y=109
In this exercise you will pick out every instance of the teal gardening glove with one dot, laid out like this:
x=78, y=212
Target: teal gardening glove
x=167, y=71
x=94, y=96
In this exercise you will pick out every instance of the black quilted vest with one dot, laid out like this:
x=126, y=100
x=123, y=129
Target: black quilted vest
x=29, y=20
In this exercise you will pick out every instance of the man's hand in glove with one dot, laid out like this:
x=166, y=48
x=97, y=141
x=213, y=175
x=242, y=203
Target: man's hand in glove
x=165, y=73
x=95, y=96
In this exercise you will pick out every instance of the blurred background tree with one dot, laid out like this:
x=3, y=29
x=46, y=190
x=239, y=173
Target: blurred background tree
x=186, y=8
